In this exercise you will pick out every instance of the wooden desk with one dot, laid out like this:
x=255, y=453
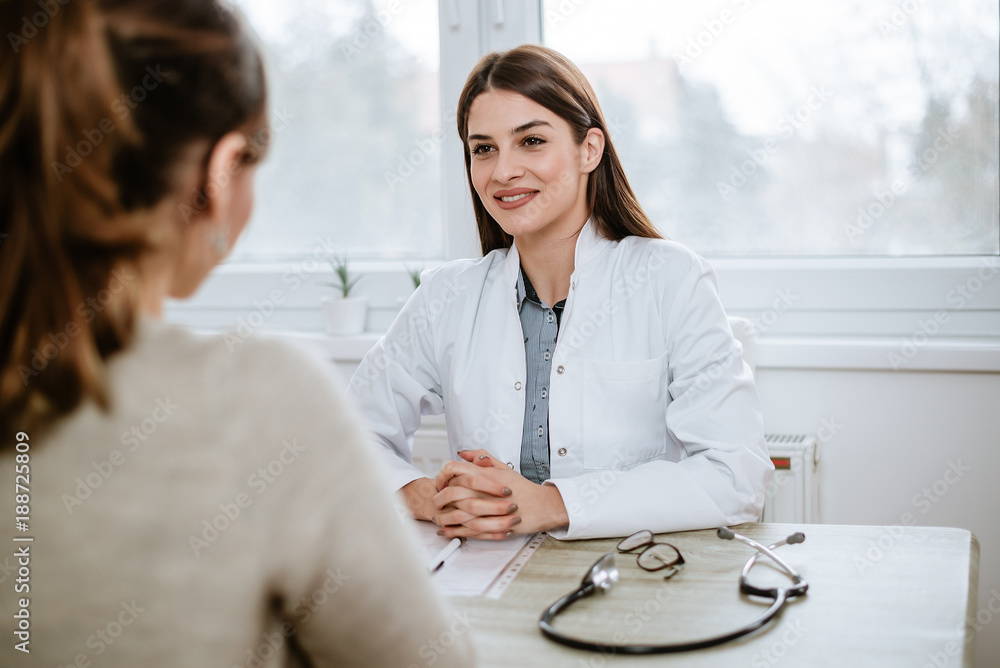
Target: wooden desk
x=877, y=597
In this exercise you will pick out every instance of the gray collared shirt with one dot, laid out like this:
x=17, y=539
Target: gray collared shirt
x=540, y=325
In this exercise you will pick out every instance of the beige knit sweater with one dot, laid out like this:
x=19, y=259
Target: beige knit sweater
x=227, y=512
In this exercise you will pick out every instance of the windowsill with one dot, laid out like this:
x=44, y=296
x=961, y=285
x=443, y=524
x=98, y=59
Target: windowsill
x=799, y=352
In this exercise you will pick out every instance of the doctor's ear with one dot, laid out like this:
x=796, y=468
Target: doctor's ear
x=592, y=149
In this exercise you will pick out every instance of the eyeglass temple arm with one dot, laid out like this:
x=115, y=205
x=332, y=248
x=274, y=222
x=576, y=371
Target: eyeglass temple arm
x=728, y=534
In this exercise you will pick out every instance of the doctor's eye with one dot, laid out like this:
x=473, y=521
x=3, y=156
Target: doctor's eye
x=481, y=149
x=533, y=141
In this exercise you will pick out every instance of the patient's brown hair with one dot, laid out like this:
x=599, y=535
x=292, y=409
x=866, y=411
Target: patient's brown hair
x=97, y=102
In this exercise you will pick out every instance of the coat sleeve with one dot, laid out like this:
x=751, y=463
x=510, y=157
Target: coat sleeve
x=398, y=381
x=714, y=416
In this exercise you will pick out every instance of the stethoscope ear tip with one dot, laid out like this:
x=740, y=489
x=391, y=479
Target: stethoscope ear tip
x=725, y=533
x=796, y=537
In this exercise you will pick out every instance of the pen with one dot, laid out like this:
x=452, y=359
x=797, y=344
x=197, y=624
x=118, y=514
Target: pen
x=448, y=550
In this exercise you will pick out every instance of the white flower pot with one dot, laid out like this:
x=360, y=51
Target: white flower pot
x=344, y=316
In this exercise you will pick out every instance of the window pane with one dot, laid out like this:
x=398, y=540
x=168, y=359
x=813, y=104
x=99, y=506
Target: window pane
x=783, y=127
x=357, y=128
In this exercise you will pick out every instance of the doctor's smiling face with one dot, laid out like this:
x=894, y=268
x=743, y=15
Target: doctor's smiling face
x=527, y=169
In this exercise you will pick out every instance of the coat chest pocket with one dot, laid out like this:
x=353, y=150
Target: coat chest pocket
x=624, y=412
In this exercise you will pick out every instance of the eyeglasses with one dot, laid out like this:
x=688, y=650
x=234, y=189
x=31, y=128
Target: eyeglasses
x=603, y=575
x=654, y=556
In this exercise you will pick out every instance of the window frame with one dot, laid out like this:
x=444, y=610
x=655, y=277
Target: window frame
x=846, y=312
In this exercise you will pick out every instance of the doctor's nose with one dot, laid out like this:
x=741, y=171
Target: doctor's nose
x=507, y=167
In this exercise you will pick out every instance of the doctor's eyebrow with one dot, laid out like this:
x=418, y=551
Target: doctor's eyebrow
x=514, y=131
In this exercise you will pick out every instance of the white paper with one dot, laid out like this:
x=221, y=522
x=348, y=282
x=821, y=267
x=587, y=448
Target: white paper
x=473, y=567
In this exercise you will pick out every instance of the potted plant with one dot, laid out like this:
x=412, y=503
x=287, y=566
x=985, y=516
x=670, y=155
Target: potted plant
x=414, y=276
x=342, y=313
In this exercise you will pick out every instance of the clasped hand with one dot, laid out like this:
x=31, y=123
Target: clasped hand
x=481, y=497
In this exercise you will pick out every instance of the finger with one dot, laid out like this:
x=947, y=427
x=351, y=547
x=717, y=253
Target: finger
x=482, y=525
x=481, y=482
x=466, y=532
x=453, y=494
x=479, y=507
x=481, y=458
x=452, y=517
x=450, y=470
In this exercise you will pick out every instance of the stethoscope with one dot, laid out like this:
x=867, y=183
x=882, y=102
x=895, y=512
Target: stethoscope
x=604, y=574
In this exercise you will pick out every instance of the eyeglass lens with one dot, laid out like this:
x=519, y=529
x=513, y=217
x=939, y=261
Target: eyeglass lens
x=635, y=541
x=655, y=556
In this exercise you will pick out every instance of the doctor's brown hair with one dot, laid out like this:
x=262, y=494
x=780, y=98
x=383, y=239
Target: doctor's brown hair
x=548, y=78
x=98, y=100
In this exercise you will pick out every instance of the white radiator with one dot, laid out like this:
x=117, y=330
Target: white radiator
x=793, y=495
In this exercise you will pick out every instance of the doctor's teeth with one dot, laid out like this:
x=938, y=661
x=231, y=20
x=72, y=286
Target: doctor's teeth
x=515, y=197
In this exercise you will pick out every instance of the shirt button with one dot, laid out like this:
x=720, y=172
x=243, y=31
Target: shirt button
x=547, y=356
x=517, y=385
x=551, y=318
x=562, y=452
x=560, y=369
x=541, y=431
x=544, y=393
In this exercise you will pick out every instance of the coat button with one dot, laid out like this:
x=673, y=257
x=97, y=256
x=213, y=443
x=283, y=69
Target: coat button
x=560, y=369
x=510, y=465
x=517, y=385
x=562, y=452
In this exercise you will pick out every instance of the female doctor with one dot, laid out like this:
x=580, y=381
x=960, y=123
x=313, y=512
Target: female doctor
x=591, y=383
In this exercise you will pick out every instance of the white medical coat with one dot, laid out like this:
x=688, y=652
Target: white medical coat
x=654, y=419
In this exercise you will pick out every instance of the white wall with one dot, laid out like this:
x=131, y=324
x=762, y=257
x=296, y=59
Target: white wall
x=889, y=438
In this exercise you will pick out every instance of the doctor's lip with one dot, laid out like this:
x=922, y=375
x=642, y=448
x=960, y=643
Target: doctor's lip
x=514, y=198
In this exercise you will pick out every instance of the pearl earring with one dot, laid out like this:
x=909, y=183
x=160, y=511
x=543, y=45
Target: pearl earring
x=220, y=242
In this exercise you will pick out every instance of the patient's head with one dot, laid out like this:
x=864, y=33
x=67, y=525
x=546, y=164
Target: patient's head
x=129, y=132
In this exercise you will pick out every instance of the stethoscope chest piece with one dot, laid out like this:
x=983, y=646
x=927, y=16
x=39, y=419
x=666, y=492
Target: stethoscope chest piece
x=603, y=575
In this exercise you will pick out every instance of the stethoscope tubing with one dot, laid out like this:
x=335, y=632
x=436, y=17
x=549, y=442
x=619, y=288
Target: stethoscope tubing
x=779, y=597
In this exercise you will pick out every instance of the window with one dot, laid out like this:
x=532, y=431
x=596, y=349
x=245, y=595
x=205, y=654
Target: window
x=838, y=159
x=357, y=130
x=795, y=128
